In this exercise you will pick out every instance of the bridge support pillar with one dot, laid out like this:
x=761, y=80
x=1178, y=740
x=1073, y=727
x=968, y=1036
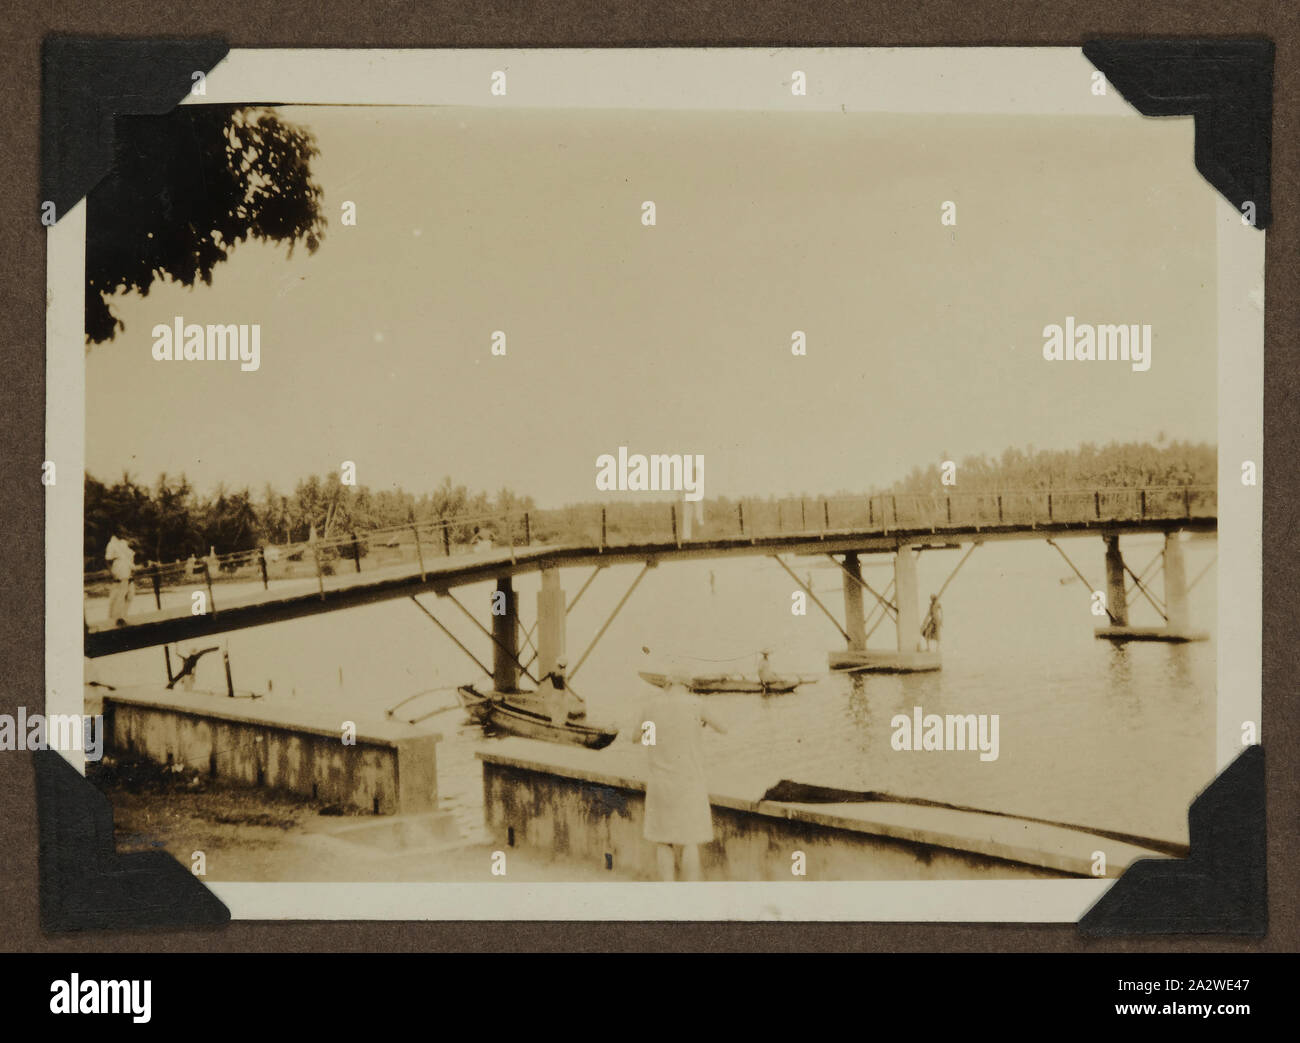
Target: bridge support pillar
x=505, y=631
x=1177, y=617
x=550, y=622
x=911, y=655
x=855, y=619
x=1116, y=592
x=1175, y=583
x=907, y=600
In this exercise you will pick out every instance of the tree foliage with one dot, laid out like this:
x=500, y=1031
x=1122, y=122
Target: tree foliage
x=169, y=521
x=185, y=189
x=1114, y=466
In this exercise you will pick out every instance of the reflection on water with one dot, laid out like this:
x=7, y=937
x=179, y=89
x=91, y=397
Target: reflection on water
x=1115, y=736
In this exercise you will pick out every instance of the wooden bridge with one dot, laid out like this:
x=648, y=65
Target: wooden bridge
x=218, y=594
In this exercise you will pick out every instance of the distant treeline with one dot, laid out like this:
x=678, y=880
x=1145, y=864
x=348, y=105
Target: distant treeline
x=1117, y=465
x=170, y=521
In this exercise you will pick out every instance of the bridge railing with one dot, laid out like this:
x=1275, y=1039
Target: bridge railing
x=314, y=564
x=425, y=546
x=631, y=524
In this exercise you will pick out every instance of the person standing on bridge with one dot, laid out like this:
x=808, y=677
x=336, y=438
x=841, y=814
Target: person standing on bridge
x=121, y=563
x=933, y=622
x=678, y=815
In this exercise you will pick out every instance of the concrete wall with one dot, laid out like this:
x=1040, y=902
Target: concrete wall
x=387, y=774
x=598, y=819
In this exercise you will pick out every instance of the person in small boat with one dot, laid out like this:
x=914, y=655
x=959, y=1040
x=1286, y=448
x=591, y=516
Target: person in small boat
x=562, y=702
x=933, y=622
x=678, y=815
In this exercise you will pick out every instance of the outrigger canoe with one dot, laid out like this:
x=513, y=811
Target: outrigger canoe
x=714, y=684
x=521, y=713
x=475, y=703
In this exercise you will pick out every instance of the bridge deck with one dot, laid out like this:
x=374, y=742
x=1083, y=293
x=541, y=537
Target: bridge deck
x=255, y=600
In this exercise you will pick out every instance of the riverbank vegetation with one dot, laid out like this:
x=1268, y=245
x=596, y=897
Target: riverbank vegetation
x=169, y=520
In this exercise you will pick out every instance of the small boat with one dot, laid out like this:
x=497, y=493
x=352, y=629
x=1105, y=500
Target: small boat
x=714, y=684
x=883, y=661
x=518, y=713
x=475, y=702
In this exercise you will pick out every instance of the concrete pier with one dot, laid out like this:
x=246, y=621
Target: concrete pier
x=1175, y=584
x=550, y=622
x=907, y=600
x=505, y=632
x=855, y=620
x=387, y=770
x=587, y=806
x=884, y=661
x=1116, y=590
x=911, y=655
x=1177, y=627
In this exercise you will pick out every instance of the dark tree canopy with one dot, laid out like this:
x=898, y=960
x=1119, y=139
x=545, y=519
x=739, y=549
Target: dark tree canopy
x=185, y=189
x=171, y=521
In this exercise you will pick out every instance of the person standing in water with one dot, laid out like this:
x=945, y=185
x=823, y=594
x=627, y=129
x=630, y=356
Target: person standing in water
x=678, y=816
x=933, y=622
x=121, y=559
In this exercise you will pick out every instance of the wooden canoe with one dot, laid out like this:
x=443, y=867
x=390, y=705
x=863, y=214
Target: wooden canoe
x=716, y=684
x=475, y=701
x=502, y=712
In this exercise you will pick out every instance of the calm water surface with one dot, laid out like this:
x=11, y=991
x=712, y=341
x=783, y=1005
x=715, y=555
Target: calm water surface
x=1118, y=737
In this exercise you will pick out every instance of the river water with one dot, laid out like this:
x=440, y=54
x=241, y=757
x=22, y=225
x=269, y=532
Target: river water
x=1117, y=737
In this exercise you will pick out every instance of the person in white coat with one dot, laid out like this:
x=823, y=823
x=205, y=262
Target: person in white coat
x=678, y=815
x=121, y=563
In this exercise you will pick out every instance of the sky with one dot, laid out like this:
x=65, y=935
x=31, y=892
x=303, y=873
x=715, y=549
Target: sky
x=924, y=342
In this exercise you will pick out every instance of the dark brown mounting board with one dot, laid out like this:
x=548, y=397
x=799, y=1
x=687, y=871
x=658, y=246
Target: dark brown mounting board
x=241, y=24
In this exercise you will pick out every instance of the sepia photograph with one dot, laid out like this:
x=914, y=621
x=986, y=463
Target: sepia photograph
x=758, y=475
